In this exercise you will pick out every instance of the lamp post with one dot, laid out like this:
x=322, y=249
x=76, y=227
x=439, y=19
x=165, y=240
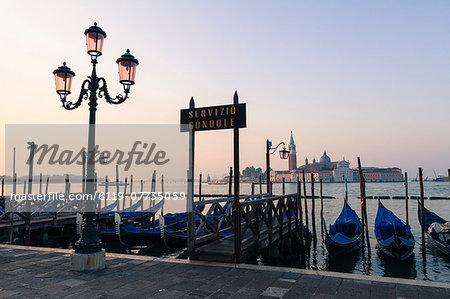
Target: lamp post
x=89, y=243
x=284, y=154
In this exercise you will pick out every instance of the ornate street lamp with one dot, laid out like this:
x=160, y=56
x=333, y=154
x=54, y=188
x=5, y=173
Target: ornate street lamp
x=89, y=243
x=284, y=154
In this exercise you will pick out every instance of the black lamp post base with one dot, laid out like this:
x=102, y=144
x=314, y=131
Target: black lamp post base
x=84, y=248
x=89, y=241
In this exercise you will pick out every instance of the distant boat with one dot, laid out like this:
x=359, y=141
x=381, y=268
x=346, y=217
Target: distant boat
x=438, y=230
x=217, y=183
x=344, y=235
x=393, y=236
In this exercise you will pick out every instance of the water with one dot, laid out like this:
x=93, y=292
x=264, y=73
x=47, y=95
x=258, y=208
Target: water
x=428, y=266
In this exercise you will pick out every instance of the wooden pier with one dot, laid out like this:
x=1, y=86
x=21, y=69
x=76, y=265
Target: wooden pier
x=265, y=221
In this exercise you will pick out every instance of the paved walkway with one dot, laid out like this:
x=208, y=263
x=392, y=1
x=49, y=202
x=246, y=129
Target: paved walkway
x=29, y=272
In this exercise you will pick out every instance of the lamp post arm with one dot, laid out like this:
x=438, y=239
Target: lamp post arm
x=69, y=105
x=103, y=92
x=274, y=149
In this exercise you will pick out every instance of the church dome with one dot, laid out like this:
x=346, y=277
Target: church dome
x=325, y=158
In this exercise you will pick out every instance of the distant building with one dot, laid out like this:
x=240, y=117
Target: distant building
x=374, y=174
x=343, y=172
x=328, y=171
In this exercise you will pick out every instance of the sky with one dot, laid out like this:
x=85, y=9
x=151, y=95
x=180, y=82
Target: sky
x=354, y=78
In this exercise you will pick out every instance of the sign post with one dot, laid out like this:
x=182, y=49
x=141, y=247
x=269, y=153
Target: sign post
x=206, y=119
x=237, y=204
x=190, y=201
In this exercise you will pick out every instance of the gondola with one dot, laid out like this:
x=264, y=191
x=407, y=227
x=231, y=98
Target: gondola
x=393, y=236
x=141, y=230
x=344, y=236
x=130, y=232
x=437, y=229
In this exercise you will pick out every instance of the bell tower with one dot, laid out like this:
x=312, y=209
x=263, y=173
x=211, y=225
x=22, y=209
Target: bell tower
x=292, y=154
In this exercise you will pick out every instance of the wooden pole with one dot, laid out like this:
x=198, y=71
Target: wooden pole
x=66, y=187
x=14, y=171
x=124, y=192
x=14, y=183
x=117, y=188
x=306, y=202
x=422, y=206
x=3, y=186
x=46, y=185
x=253, y=188
x=200, y=187
x=321, y=207
x=153, y=187
x=106, y=191
x=268, y=167
x=363, y=200
x=449, y=178
x=313, y=208
x=406, y=198
x=361, y=196
x=142, y=200
x=230, y=182
x=131, y=191
x=153, y=191
x=83, y=174
x=300, y=213
x=237, y=204
x=40, y=183
x=164, y=195
x=260, y=183
x=284, y=187
x=346, y=191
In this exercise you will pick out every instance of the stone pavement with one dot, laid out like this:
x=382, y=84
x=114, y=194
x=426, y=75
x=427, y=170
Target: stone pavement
x=29, y=272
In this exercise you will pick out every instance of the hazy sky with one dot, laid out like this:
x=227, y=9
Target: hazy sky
x=350, y=77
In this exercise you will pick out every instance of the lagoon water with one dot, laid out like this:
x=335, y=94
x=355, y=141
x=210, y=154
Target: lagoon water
x=428, y=266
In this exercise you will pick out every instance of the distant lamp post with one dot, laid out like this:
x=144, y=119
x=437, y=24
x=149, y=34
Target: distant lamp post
x=89, y=243
x=284, y=154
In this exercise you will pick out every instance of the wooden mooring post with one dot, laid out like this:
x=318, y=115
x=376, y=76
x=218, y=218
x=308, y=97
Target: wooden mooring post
x=449, y=179
x=260, y=183
x=40, y=183
x=313, y=209
x=164, y=195
x=406, y=198
x=363, y=204
x=200, y=187
x=283, y=191
x=46, y=185
x=124, y=193
x=306, y=204
x=230, y=182
x=422, y=205
x=300, y=213
x=131, y=191
x=321, y=207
